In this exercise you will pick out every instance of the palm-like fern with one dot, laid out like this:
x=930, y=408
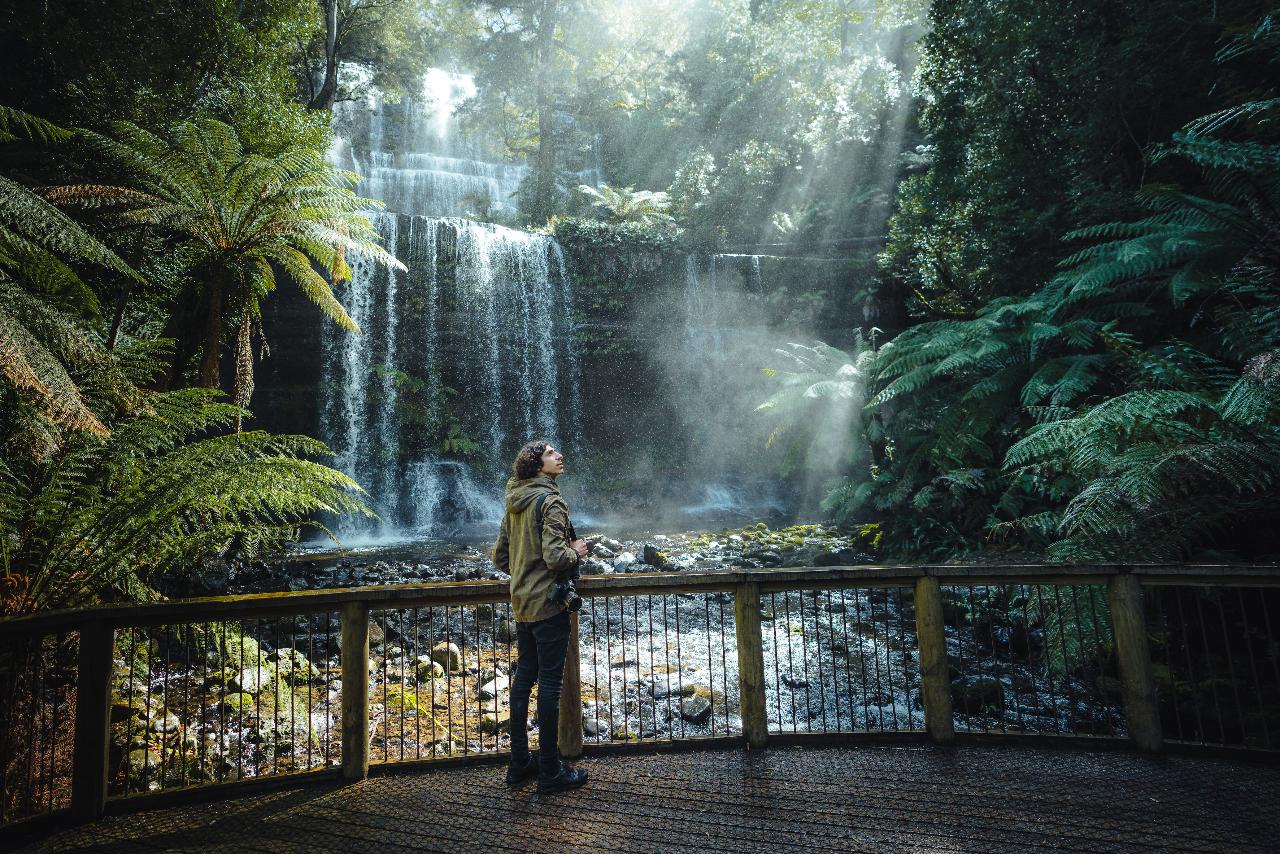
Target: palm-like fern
x=105, y=517
x=43, y=353
x=1101, y=416
x=240, y=218
x=627, y=204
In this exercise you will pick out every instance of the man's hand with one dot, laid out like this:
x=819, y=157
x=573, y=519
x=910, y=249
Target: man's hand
x=579, y=546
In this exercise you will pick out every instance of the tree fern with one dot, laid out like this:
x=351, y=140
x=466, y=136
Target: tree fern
x=237, y=218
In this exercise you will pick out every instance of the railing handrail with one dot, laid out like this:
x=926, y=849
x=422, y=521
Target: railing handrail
x=1123, y=589
x=213, y=608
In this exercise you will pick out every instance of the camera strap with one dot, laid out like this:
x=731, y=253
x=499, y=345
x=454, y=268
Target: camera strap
x=537, y=518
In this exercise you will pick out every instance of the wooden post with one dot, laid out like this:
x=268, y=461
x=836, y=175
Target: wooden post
x=93, y=722
x=355, y=691
x=746, y=615
x=935, y=676
x=1130, y=631
x=570, y=729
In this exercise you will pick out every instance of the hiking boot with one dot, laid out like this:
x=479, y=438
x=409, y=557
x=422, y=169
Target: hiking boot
x=517, y=774
x=567, y=778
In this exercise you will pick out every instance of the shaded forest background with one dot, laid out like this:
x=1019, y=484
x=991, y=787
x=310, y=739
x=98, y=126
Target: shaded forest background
x=1067, y=351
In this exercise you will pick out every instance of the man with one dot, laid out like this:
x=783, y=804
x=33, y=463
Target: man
x=533, y=546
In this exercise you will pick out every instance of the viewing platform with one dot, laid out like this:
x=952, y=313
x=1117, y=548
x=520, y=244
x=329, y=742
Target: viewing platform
x=909, y=797
x=979, y=708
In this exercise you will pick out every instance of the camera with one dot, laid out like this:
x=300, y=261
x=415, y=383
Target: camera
x=563, y=592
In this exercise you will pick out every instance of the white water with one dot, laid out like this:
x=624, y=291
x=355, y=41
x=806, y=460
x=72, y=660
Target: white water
x=471, y=343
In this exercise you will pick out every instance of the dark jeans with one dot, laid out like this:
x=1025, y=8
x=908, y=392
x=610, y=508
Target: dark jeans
x=541, y=647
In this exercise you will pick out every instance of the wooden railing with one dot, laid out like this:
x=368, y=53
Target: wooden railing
x=929, y=627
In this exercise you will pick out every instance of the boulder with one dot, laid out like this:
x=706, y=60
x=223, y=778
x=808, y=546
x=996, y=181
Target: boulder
x=427, y=669
x=494, y=723
x=794, y=680
x=677, y=688
x=238, y=702
x=491, y=689
x=623, y=562
x=506, y=631
x=164, y=723
x=974, y=693
x=252, y=679
x=653, y=557
x=695, y=709
x=448, y=655
x=603, y=551
x=295, y=667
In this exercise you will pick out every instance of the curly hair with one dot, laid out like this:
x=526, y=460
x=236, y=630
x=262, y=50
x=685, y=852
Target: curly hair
x=529, y=460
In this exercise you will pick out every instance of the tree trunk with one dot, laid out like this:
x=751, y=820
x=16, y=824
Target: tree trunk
x=211, y=346
x=329, y=89
x=118, y=318
x=545, y=178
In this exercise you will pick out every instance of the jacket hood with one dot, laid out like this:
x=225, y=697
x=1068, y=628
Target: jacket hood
x=521, y=494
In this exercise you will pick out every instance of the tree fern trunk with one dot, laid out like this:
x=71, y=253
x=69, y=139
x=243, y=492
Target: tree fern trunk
x=209, y=376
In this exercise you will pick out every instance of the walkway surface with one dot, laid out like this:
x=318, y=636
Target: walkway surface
x=916, y=798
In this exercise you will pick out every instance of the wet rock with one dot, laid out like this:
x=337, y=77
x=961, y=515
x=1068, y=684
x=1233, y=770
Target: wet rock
x=238, y=702
x=653, y=557
x=484, y=612
x=377, y=637
x=506, y=631
x=795, y=680
x=603, y=551
x=695, y=709
x=838, y=557
x=593, y=727
x=448, y=655
x=623, y=562
x=625, y=660
x=494, y=723
x=677, y=688
x=591, y=566
x=427, y=668
x=144, y=761
x=295, y=667
x=165, y=724
x=491, y=689
x=974, y=693
x=252, y=679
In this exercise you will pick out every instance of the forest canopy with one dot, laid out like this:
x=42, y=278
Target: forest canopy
x=1066, y=348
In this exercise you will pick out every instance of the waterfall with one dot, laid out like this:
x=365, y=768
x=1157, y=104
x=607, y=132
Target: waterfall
x=464, y=356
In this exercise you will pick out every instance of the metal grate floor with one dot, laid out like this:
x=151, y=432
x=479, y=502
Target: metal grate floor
x=875, y=798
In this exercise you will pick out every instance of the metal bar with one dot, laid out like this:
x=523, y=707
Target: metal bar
x=1231, y=668
x=1186, y=648
x=862, y=658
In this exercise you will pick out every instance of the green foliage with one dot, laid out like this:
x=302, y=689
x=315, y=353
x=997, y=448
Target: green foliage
x=234, y=219
x=105, y=517
x=627, y=204
x=45, y=357
x=1125, y=409
x=817, y=408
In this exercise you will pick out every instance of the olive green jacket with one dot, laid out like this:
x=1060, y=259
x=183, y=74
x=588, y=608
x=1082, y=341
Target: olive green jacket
x=532, y=557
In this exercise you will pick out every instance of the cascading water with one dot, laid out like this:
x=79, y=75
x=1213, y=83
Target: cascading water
x=719, y=359
x=465, y=354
